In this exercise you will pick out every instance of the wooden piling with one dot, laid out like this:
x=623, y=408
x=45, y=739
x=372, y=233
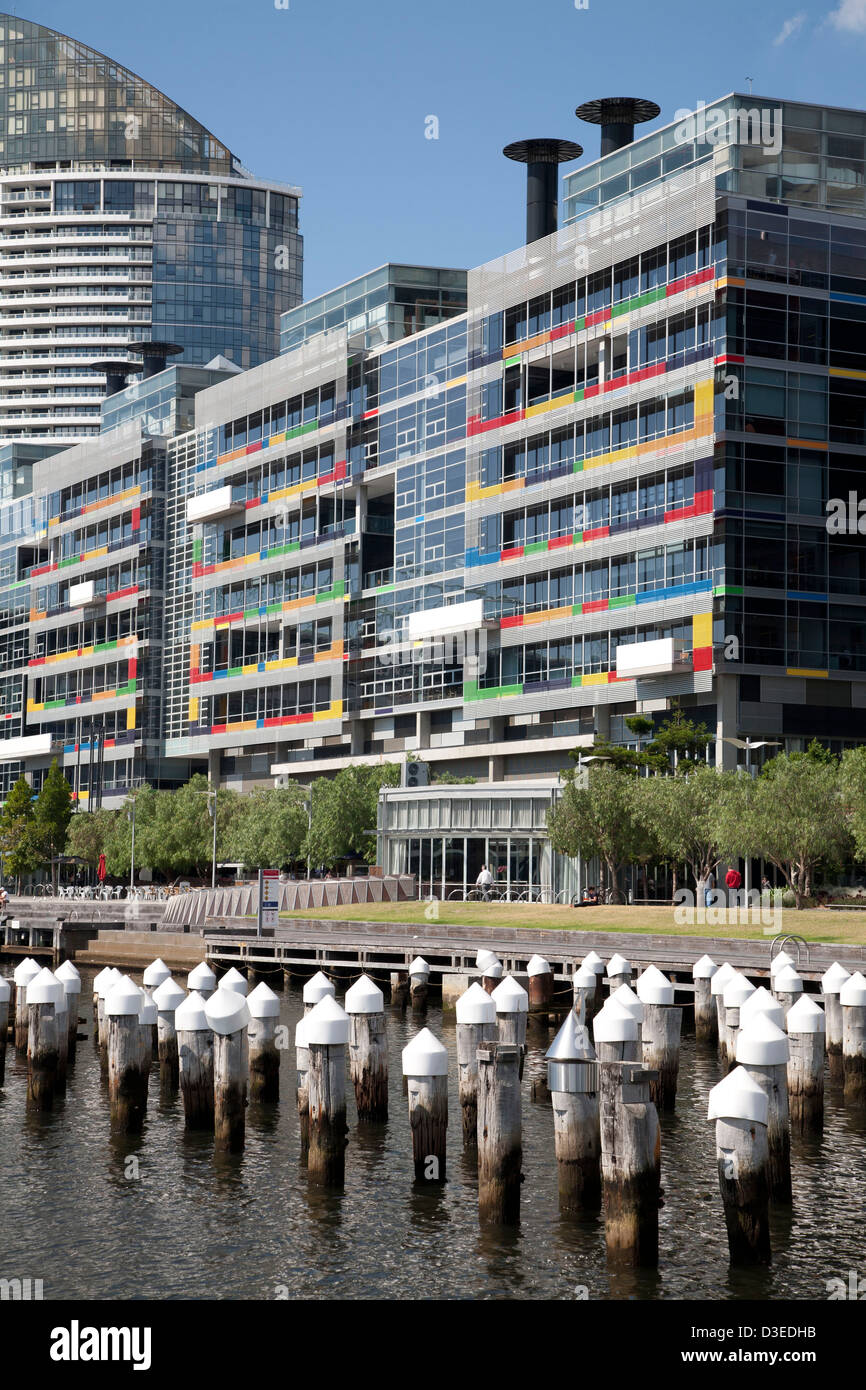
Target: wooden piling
x=630, y=1163
x=5, y=997
x=302, y=1092
x=107, y=980
x=593, y=961
x=264, y=1007
x=492, y=974
x=476, y=1024
x=787, y=987
x=585, y=994
x=500, y=1141
x=540, y=983
x=368, y=1050
x=419, y=982
x=326, y=1029
x=512, y=1007
x=618, y=973
x=572, y=1077
x=740, y=1109
x=127, y=1070
x=762, y=1049
x=660, y=1036
x=23, y=973
x=736, y=992
x=167, y=997
x=706, y=1022
x=228, y=1014
x=615, y=1032
x=399, y=988
x=425, y=1067
x=71, y=980
x=831, y=983
x=853, y=1000
x=154, y=975
x=195, y=1055
x=717, y=991
x=317, y=988
x=806, y=1031
x=43, y=995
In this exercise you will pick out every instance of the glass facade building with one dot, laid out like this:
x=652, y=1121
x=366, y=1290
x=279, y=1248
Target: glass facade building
x=122, y=219
x=382, y=306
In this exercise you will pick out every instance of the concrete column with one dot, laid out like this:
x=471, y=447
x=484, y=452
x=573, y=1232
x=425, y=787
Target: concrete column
x=726, y=722
x=422, y=729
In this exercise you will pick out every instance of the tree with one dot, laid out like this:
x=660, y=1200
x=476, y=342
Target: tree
x=88, y=835
x=51, y=817
x=269, y=827
x=793, y=815
x=684, y=814
x=602, y=819
x=852, y=790
x=16, y=825
x=344, y=813
x=681, y=740
x=178, y=838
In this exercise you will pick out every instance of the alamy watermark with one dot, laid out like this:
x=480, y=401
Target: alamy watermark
x=733, y=907
x=753, y=125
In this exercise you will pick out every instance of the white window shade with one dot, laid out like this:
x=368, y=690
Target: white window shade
x=662, y=657
x=82, y=593
x=454, y=617
x=210, y=505
x=30, y=746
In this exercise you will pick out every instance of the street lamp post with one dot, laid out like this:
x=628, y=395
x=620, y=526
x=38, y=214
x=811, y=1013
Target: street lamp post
x=131, y=817
x=748, y=745
x=212, y=810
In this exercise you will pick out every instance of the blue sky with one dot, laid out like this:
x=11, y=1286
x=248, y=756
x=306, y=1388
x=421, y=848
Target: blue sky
x=334, y=95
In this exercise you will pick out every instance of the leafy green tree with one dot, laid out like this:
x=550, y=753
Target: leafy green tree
x=684, y=814
x=20, y=855
x=679, y=744
x=344, y=813
x=793, y=815
x=602, y=818
x=852, y=790
x=269, y=827
x=88, y=834
x=178, y=838
x=450, y=779
x=51, y=816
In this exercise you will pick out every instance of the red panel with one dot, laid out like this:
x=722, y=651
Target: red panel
x=589, y=392
x=678, y=513
x=597, y=534
x=562, y=331
x=703, y=502
x=598, y=605
x=132, y=668
x=558, y=542
x=702, y=659
x=136, y=518
x=515, y=553
x=516, y=620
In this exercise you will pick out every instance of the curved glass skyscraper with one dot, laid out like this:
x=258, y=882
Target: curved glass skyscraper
x=122, y=219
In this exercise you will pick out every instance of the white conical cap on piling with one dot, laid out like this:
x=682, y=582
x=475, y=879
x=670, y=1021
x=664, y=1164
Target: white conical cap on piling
x=510, y=997
x=100, y=980
x=45, y=988
x=853, y=992
x=778, y=961
x=227, y=1011
x=654, y=988
x=425, y=1055
x=833, y=979
x=316, y=988
x=484, y=957
x=704, y=969
x=537, y=965
x=155, y=973
x=806, y=1016
x=301, y=1031
x=70, y=977
x=191, y=1015
x=787, y=981
x=737, y=991
x=571, y=1043
x=419, y=969
x=614, y=1024
x=721, y=977
x=201, y=977
x=475, y=1005
x=584, y=978
x=739, y=1097
x=263, y=1003
x=493, y=970
x=327, y=1025
x=618, y=965
x=364, y=997
x=762, y=1002
x=233, y=979
x=595, y=962
x=123, y=999
x=27, y=970
x=5, y=990
x=168, y=995
x=626, y=998
x=148, y=1013
x=762, y=1043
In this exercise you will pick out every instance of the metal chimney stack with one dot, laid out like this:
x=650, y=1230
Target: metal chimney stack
x=542, y=159
x=116, y=370
x=617, y=117
x=155, y=356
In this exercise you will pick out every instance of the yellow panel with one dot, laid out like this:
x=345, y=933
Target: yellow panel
x=193, y=710
x=702, y=630
x=130, y=717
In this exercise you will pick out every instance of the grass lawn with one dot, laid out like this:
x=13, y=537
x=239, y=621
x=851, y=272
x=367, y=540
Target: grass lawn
x=816, y=924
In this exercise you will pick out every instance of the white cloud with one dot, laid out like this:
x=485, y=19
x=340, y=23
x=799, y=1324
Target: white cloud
x=850, y=17
x=798, y=20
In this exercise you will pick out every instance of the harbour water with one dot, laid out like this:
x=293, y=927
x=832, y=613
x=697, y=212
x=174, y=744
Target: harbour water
x=159, y=1217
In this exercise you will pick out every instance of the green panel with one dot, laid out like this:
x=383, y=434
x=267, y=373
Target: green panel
x=576, y=610
x=624, y=601
x=535, y=547
x=511, y=361
x=236, y=670
x=722, y=589
x=577, y=680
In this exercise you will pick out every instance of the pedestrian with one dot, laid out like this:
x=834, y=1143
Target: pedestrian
x=709, y=888
x=483, y=881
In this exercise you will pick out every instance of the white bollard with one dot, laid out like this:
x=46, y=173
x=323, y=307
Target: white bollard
x=302, y=1093
x=661, y=1031
x=419, y=982
x=586, y=988
x=616, y=1033
x=368, y=1049
x=195, y=1054
x=326, y=1029
x=572, y=1079
x=706, y=1023
x=44, y=1014
x=831, y=983
x=787, y=986
x=806, y=1029
x=540, y=982
x=476, y=1024
x=233, y=979
x=425, y=1067
x=154, y=974
x=72, y=989
x=761, y=1001
x=127, y=1068
x=316, y=989
x=5, y=997
x=740, y=1109
x=167, y=997
x=717, y=989
x=202, y=979
x=512, y=1007
x=736, y=992
x=762, y=1048
x=493, y=974
x=228, y=1014
x=264, y=1006
x=23, y=973
x=618, y=972
x=853, y=1000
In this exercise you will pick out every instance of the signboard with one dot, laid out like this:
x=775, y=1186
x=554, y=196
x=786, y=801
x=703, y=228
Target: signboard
x=270, y=897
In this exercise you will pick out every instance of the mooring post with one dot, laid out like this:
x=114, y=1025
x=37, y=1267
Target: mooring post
x=500, y=1140
x=368, y=1049
x=540, y=983
x=625, y=997
x=195, y=1055
x=147, y=1023
x=234, y=980
x=831, y=983
x=317, y=988
x=616, y=1034
x=302, y=1091
x=583, y=984
x=71, y=980
x=853, y=1001
x=62, y=1023
x=202, y=979
x=167, y=997
x=98, y=981
x=107, y=979
x=419, y=982
x=594, y=962
x=492, y=973
x=228, y=1014
x=154, y=974
x=572, y=1077
x=660, y=1035
x=618, y=973
x=736, y=992
x=23, y=973
x=761, y=1001
x=476, y=1024
x=706, y=1023
x=399, y=988
x=44, y=994
x=512, y=1007
x=762, y=1048
x=425, y=1067
x=264, y=1006
x=717, y=990
x=806, y=1030
x=326, y=1029
x=5, y=996
x=127, y=1072
x=787, y=987
x=630, y=1163
x=740, y=1109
